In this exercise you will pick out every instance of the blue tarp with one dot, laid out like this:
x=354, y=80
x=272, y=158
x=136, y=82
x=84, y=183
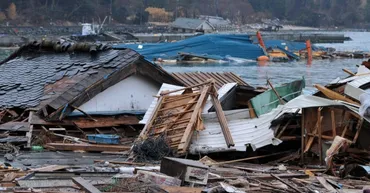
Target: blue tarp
x=234, y=45
x=292, y=46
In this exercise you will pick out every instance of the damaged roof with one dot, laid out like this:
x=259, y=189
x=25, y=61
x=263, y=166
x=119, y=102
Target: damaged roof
x=221, y=78
x=54, y=76
x=188, y=23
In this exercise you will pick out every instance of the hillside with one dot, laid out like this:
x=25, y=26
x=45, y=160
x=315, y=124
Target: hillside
x=317, y=13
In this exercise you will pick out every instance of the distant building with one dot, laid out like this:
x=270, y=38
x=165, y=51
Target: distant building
x=219, y=23
x=190, y=25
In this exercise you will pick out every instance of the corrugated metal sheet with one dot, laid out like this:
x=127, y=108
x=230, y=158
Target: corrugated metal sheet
x=164, y=87
x=255, y=132
x=192, y=78
x=361, y=80
x=221, y=92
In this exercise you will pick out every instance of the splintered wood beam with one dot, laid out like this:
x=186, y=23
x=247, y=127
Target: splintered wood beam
x=348, y=72
x=358, y=128
x=334, y=95
x=185, y=141
x=149, y=124
x=333, y=125
x=311, y=139
x=319, y=129
x=189, y=87
x=83, y=112
x=222, y=118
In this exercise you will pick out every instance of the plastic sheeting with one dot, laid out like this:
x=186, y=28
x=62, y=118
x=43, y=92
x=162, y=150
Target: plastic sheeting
x=234, y=45
x=292, y=46
x=365, y=105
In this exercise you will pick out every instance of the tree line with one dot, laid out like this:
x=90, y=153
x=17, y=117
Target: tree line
x=347, y=13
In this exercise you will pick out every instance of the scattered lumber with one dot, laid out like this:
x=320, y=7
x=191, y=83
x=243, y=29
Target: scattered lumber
x=85, y=185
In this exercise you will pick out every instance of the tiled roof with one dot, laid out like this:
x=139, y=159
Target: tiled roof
x=187, y=23
x=31, y=68
x=52, y=76
x=193, y=78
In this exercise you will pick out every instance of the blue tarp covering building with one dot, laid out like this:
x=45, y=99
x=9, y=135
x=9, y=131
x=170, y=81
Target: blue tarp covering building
x=234, y=45
x=292, y=46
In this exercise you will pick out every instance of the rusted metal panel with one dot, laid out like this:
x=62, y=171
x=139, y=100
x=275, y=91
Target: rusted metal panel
x=192, y=78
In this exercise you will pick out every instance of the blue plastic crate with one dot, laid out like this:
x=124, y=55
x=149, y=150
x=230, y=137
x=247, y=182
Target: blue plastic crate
x=104, y=139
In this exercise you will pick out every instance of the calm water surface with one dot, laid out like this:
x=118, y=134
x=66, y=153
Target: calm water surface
x=319, y=72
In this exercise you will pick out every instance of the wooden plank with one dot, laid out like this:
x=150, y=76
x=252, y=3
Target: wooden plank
x=358, y=128
x=9, y=177
x=311, y=139
x=319, y=129
x=247, y=159
x=87, y=147
x=286, y=183
x=149, y=125
x=283, y=129
x=50, y=168
x=348, y=72
x=15, y=126
x=333, y=125
x=36, y=120
x=175, y=189
x=85, y=185
x=334, y=95
x=106, y=122
x=325, y=184
x=252, y=113
x=185, y=141
x=222, y=118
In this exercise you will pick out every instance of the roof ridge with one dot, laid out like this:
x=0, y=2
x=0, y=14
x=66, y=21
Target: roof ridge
x=59, y=47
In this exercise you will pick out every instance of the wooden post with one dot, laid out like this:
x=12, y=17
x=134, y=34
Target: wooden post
x=302, y=136
x=260, y=40
x=309, y=51
x=333, y=125
x=185, y=141
x=358, y=128
x=222, y=118
x=319, y=129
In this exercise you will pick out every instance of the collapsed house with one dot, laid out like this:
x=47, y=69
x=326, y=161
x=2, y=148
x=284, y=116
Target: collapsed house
x=75, y=89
